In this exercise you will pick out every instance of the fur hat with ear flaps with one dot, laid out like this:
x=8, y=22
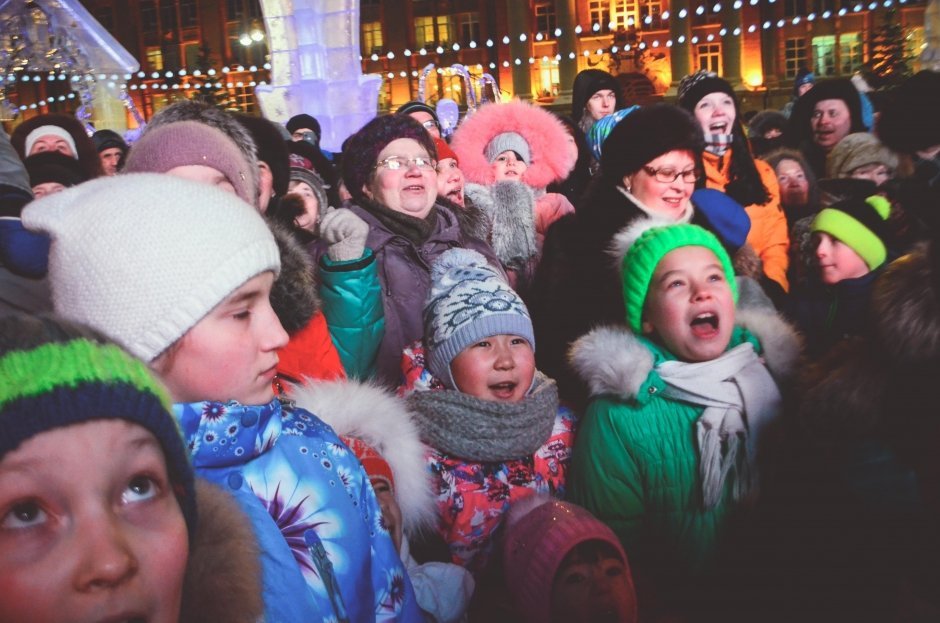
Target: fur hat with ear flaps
x=382, y=420
x=544, y=134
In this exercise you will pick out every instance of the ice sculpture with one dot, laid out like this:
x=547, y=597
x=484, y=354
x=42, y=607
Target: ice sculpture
x=62, y=36
x=316, y=68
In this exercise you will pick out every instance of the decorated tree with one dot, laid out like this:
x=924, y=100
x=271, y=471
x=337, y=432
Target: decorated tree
x=889, y=63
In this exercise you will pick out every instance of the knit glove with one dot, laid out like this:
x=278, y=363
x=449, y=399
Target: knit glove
x=345, y=233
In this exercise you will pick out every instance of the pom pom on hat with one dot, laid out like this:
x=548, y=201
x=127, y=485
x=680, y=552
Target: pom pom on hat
x=144, y=257
x=859, y=223
x=69, y=376
x=647, y=242
x=540, y=532
x=468, y=301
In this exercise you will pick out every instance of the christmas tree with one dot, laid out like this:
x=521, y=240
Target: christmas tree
x=889, y=63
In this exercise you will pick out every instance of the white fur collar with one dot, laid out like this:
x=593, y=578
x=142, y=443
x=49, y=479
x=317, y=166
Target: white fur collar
x=613, y=361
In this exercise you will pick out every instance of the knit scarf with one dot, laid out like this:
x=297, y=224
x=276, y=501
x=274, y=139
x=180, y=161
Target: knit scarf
x=486, y=431
x=416, y=230
x=718, y=144
x=740, y=398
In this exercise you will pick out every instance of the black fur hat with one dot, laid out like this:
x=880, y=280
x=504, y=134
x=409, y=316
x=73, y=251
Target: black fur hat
x=646, y=134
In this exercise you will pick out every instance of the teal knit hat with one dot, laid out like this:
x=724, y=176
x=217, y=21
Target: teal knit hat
x=651, y=243
x=70, y=379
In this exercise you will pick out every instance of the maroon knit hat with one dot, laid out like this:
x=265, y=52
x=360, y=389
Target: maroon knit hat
x=184, y=143
x=362, y=149
x=536, y=544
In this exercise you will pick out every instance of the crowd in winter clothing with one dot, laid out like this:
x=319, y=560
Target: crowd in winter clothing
x=639, y=363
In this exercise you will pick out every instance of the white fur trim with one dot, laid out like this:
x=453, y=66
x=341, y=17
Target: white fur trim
x=381, y=419
x=780, y=342
x=612, y=361
x=622, y=241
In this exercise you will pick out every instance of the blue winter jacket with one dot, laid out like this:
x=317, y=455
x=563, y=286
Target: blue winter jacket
x=326, y=555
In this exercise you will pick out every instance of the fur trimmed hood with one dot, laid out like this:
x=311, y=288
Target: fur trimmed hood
x=545, y=134
x=294, y=293
x=382, y=420
x=613, y=361
x=223, y=574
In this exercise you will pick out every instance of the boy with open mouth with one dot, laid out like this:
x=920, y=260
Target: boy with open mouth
x=492, y=421
x=680, y=398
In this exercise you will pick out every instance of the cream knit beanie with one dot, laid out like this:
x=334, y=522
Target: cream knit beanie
x=143, y=257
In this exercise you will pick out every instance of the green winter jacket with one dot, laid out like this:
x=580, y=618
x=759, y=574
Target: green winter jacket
x=635, y=463
x=352, y=304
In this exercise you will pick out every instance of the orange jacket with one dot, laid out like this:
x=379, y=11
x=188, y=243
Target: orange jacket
x=769, y=236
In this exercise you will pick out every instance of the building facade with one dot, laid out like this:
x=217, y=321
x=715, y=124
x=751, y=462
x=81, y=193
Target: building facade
x=217, y=50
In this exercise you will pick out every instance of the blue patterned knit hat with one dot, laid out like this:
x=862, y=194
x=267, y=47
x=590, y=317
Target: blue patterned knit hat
x=469, y=301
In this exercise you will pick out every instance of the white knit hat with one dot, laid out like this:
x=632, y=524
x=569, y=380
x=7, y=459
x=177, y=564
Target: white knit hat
x=49, y=130
x=143, y=257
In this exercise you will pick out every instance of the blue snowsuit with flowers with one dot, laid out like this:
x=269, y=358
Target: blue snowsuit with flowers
x=326, y=554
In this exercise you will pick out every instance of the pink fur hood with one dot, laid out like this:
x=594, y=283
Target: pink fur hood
x=552, y=158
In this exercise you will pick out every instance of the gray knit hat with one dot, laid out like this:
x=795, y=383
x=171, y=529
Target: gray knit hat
x=143, y=257
x=468, y=301
x=857, y=150
x=314, y=181
x=508, y=141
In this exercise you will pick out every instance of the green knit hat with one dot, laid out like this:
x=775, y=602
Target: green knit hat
x=651, y=243
x=859, y=223
x=70, y=380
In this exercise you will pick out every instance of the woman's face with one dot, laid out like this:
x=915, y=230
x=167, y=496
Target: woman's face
x=410, y=189
x=715, y=113
x=667, y=199
x=307, y=220
x=509, y=166
x=601, y=104
x=794, y=187
x=876, y=172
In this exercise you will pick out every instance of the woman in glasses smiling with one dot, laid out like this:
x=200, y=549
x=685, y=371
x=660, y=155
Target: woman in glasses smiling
x=389, y=169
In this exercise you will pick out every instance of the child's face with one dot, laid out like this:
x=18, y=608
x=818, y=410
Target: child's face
x=689, y=305
x=501, y=367
x=837, y=260
x=307, y=220
x=593, y=586
x=231, y=354
x=90, y=529
x=391, y=511
x=508, y=166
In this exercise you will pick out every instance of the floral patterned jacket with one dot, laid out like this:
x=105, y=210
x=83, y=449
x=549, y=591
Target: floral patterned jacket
x=326, y=555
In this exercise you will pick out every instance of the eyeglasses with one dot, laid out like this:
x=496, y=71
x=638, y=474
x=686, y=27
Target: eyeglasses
x=394, y=163
x=670, y=175
x=430, y=123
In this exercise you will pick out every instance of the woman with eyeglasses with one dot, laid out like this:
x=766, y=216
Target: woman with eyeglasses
x=389, y=169
x=730, y=168
x=649, y=167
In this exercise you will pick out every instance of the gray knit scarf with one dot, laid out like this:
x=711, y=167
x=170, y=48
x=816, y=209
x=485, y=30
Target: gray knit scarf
x=718, y=144
x=487, y=431
x=740, y=398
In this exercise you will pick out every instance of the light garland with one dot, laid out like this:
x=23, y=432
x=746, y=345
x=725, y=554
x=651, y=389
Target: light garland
x=658, y=42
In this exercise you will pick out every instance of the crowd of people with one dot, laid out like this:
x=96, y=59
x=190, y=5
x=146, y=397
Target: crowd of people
x=659, y=363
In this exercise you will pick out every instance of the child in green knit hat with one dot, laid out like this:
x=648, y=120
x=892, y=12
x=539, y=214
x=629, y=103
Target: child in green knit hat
x=680, y=398
x=852, y=239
